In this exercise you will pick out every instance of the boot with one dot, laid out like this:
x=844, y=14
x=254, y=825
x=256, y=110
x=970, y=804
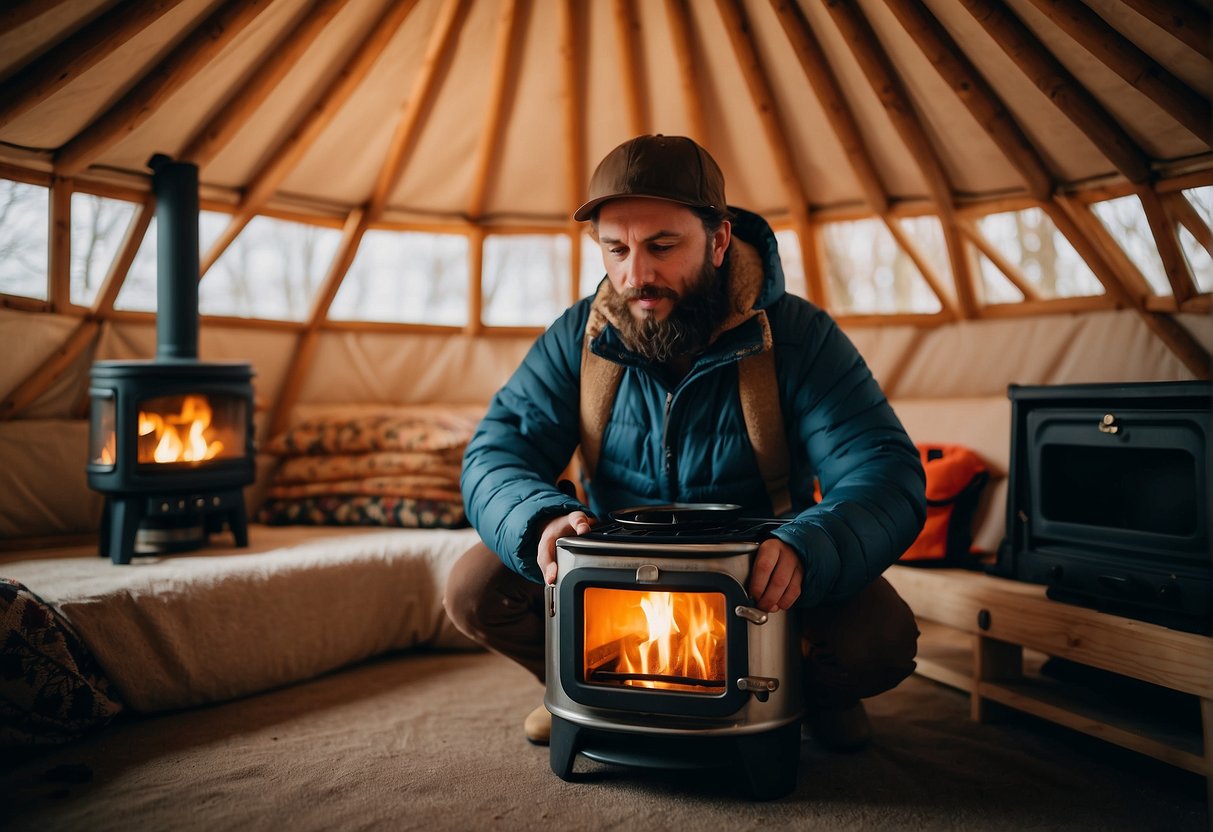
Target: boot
x=538, y=726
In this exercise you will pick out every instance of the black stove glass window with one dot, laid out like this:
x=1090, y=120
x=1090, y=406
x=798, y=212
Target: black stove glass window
x=670, y=641
x=1139, y=489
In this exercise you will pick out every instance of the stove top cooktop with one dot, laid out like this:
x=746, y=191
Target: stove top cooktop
x=739, y=530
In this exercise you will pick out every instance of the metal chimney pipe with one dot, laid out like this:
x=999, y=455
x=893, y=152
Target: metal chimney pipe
x=175, y=185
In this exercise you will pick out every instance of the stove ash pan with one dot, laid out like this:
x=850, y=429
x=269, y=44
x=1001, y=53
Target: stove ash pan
x=656, y=658
x=171, y=447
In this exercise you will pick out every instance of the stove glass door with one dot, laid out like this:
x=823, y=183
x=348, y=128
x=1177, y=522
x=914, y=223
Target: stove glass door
x=670, y=641
x=193, y=428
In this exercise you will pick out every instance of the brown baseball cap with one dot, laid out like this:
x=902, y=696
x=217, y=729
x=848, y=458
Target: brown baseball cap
x=657, y=167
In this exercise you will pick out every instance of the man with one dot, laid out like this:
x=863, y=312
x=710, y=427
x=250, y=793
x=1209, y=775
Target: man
x=691, y=287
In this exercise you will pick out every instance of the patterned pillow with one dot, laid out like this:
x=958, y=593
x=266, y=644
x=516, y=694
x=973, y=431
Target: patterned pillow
x=417, y=487
x=445, y=429
x=363, y=511
x=51, y=688
x=301, y=470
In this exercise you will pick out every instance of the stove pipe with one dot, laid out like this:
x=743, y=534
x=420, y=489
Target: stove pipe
x=175, y=185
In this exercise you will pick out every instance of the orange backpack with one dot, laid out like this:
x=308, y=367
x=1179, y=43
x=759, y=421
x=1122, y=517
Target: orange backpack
x=955, y=479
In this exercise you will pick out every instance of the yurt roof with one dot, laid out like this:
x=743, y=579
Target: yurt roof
x=478, y=115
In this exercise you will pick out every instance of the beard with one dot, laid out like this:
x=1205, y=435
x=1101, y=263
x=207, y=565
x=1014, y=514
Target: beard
x=688, y=328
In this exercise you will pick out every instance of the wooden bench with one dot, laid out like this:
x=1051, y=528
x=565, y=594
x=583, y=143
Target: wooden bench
x=990, y=636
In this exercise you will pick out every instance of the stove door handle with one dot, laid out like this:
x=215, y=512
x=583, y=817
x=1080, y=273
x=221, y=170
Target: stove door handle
x=751, y=614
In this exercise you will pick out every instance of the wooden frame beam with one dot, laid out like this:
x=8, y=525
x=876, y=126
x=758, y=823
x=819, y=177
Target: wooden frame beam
x=501, y=89
x=1057, y=83
x=737, y=24
x=1166, y=237
x=184, y=61
x=252, y=91
x=421, y=97
x=1121, y=55
x=971, y=88
x=315, y=118
x=136, y=230
x=678, y=13
x=895, y=99
x=631, y=65
x=72, y=56
x=932, y=278
x=1182, y=19
x=1182, y=211
x=59, y=237
x=475, y=324
x=1009, y=269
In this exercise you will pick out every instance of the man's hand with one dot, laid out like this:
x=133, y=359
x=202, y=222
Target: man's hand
x=578, y=522
x=776, y=576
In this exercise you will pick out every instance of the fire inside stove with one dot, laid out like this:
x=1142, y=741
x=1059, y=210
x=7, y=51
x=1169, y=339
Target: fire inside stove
x=671, y=641
x=188, y=428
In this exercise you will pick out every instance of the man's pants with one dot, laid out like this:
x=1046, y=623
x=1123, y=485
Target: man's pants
x=853, y=650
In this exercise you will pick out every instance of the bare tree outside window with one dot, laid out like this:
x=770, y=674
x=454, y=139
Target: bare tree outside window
x=1126, y=222
x=406, y=277
x=869, y=273
x=98, y=228
x=1198, y=256
x=1029, y=240
x=138, y=293
x=271, y=270
x=525, y=278
x=24, y=215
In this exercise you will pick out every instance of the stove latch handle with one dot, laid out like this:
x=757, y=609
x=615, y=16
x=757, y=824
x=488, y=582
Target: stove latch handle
x=760, y=686
x=751, y=614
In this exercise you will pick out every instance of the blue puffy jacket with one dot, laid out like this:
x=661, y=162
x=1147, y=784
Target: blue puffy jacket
x=840, y=429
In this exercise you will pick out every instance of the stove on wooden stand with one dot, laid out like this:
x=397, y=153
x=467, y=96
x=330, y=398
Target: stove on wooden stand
x=171, y=439
x=657, y=658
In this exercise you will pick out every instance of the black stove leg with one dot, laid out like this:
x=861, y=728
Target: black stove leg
x=121, y=522
x=562, y=748
x=769, y=762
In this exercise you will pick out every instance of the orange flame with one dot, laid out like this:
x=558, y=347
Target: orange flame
x=181, y=436
x=636, y=638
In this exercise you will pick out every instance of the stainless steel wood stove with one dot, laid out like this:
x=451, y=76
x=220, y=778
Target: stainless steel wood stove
x=171, y=439
x=656, y=657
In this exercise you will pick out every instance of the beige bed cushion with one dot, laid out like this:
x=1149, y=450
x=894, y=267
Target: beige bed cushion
x=982, y=424
x=223, y=622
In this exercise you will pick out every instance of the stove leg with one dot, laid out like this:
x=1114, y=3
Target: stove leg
x=562, y=748
x=122, y=522
x=769, y=762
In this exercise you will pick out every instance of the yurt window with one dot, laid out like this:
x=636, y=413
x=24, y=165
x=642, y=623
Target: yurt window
x=870, y=274
x=406, y=277
x=99, y=225
x=525, y=279
x=1127, y=223
x=138, y=293
x=1200, y=258
x=592, y=268
x=793, y=264
x=272, y=270
x=23, y=244
x=1040, y=254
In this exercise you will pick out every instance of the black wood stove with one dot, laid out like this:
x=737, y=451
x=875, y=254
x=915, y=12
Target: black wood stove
x=657, y=658
x=171, y=439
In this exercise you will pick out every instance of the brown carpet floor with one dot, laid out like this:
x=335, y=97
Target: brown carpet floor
x=433, y=741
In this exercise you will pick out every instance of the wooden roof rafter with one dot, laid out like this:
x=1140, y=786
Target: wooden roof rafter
x=507, y=55
x=251, y=93
x=631, y=65
x=572, y=97
x=185, y=60
x=842, y=120
x=893, y=96
x=1183, y=212
x=1121, y=55
x=678, y=13
x=1184, y=20
x=74, y=54
x=1066, y=92
x=317, y=115
x=740, y=34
